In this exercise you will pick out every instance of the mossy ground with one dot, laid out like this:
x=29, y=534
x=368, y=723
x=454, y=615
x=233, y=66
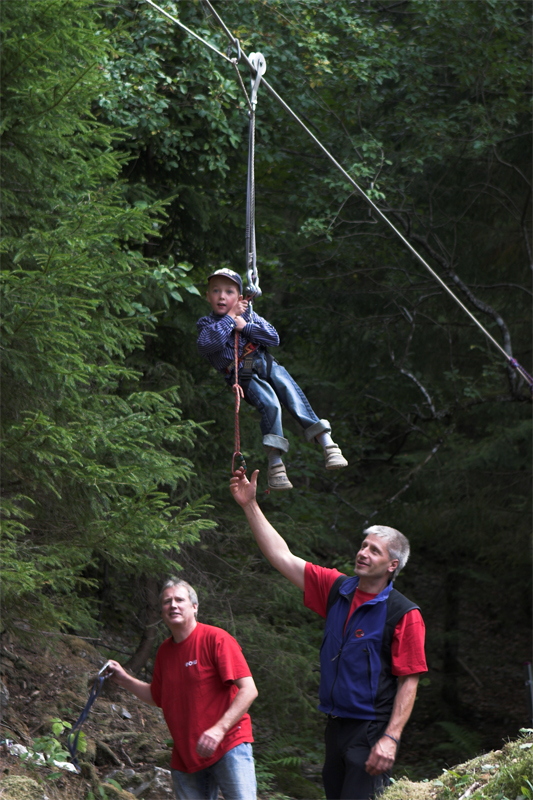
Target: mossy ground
x=505, y=774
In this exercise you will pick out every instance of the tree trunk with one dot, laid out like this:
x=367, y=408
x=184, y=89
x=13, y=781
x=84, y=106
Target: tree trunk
x=152, y=617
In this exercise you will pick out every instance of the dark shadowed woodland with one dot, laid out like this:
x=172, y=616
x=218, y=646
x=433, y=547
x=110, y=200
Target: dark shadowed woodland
x=124, y=153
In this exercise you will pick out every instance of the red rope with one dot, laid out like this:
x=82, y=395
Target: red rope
x=237, y=388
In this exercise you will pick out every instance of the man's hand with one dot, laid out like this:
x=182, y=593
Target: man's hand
x=242, y=489
x=209, y=741
x=140, y=689
x=211, y=738
x=273, y=547
x=117, y=673
x=383, y=753
x=382, y=756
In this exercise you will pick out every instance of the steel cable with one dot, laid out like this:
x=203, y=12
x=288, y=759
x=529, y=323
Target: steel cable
x=511, y=361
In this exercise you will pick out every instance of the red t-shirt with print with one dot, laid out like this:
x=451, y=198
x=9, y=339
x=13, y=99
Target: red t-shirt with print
x=407, y=649
x=193, y=684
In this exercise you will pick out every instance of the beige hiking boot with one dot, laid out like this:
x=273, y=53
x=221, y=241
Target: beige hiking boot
x=334, y=457
x=277, y=478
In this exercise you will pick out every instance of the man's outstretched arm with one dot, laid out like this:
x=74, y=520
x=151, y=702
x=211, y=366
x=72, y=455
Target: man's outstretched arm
x=273, y=547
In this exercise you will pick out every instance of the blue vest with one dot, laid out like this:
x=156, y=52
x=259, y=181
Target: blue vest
x=355, y=667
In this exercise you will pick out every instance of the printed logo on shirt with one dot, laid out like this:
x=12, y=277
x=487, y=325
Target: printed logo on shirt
x=358, y=633
x=190, y=663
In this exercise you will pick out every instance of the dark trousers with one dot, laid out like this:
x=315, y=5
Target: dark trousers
x=348, y=745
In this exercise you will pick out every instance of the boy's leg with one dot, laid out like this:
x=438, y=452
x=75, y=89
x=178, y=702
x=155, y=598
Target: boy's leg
x=277, y=477
x=295, y=401
x=263, y=397
x=277, y=474
x=332, y=452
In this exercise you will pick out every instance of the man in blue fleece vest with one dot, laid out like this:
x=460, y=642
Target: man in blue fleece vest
x=372, y=653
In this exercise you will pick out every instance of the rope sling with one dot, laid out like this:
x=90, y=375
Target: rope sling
x=252, y=290
x=511, y=361
x=73, y=736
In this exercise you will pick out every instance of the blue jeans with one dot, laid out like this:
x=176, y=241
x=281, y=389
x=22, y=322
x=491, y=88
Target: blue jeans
x=234, y=773
x=269, y=393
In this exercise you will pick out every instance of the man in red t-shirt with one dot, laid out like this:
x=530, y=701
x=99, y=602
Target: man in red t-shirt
x=372, y=653
x=204, y=686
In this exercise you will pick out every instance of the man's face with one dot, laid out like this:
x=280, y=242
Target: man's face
x=373, y=559
x=176, y=607
x=222, y=294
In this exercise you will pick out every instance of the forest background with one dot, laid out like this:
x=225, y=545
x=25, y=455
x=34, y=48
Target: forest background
x=124, y=148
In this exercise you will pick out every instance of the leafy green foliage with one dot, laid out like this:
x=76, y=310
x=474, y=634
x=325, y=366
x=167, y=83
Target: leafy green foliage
x=186, y=115
x=91, y=456
x=49, y=748
x=124, y=162
x=460, y=739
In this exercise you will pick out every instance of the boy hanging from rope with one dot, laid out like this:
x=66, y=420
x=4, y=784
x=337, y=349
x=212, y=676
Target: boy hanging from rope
x=266, y=384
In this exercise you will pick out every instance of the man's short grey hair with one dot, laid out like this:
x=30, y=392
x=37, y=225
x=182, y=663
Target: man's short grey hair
x=397, y=544
x=193, y=597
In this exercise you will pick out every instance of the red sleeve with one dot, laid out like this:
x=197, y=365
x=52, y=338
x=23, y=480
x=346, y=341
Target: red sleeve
x=407, y=648
x=230, y=661
x=318, y=582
